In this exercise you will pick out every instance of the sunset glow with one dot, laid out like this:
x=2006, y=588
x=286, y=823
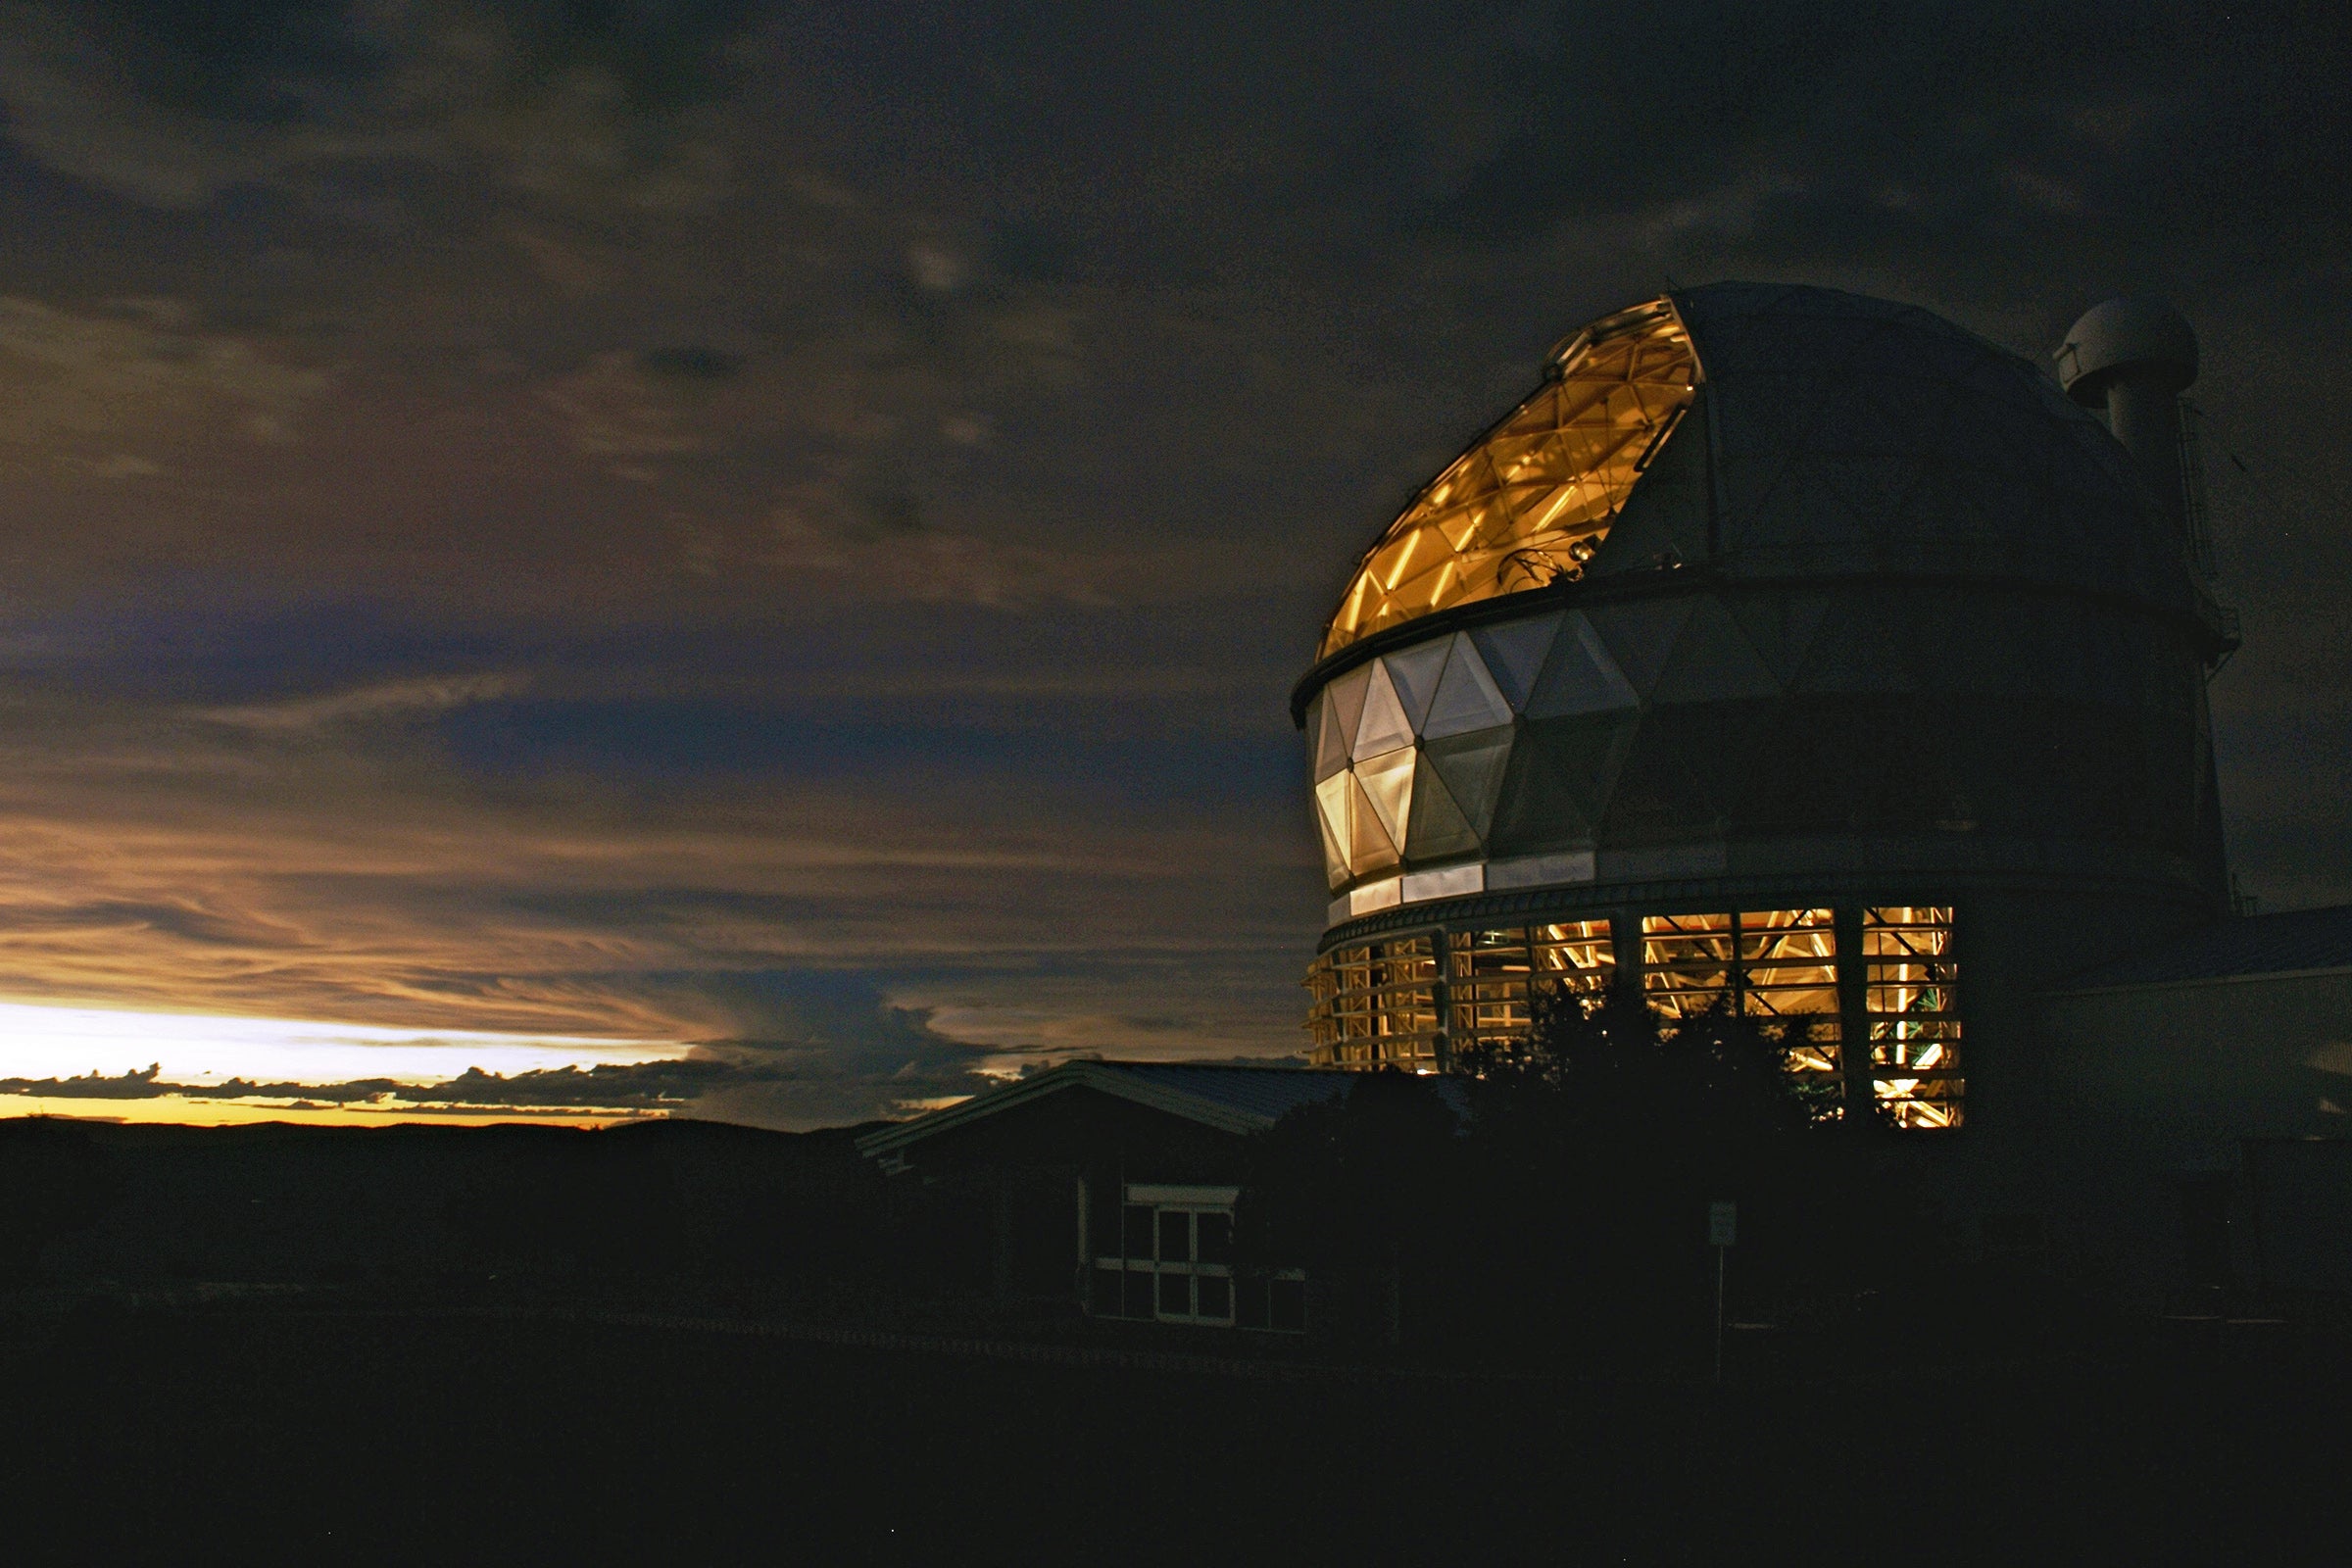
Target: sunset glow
x=40, y=1042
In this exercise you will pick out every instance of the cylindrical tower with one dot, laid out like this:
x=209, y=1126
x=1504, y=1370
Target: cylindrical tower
x=2133, y=359
x=1784, y=650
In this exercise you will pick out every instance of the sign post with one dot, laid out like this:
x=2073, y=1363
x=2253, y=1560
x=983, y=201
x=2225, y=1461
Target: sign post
x=1723, y=1230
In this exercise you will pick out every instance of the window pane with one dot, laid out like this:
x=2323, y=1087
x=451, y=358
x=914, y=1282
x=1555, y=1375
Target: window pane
x=1139, y=1293
x=1138, y=1231
x=1216, y=1294
x=1175, y=1236
x=1110, y=1292
x=1176, y=1295
x=1216, y=1238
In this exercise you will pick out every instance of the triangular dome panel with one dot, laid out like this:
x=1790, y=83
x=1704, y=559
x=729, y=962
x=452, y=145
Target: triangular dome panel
x=1713, y=661
x=1514, y=653
x=1388, y=783
x=1472, y=768
x=1335, y=859
x=1438, y=827
x=1640, y=635
x=1343, y=705
x=1467, y=697
x=1334, y=805
x=1369, y=848
x=1414, y=673
x=1383, y=727
x=1324, y=754
x=1780, y=627
x=1581, y=676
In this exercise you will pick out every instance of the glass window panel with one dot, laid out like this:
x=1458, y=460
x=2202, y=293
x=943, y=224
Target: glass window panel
x=1175, y=1236
x=1215, y=1238
x=1142, y=1292
x=1176, y=1295
x=1213, y=1296
x=1139, y=1230
x=1110, y=1293
x=1912, y=998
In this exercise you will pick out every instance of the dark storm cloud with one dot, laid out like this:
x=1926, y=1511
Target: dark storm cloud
x=638, y=519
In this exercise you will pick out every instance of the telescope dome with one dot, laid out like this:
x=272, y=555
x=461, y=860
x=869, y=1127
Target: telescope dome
x=1770, y=598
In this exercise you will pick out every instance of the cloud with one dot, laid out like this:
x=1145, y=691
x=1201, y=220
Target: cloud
x=571, y=517
x=386, y=700
x=75, y=386
x=173, y=102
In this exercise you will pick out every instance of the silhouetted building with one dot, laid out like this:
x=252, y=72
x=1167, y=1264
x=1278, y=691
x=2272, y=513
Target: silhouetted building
x=1115, y=1183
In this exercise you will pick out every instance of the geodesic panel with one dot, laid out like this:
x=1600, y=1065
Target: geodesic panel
x=1780, y=627
x=1531, y=502
x=1467, y=697
x=1343, y=705
x=1580, y=677
x=1472, y=766
x=1369, y=846
x=1382, y=727
x=1335, y=808
x=1414, y=673
x=1563, y=771
x=1856, y=435
x=1640, y=636
x=1440, y=829
x=1712, y=661
x=1514, y=654
x=1388, y=783
x=1334, y=857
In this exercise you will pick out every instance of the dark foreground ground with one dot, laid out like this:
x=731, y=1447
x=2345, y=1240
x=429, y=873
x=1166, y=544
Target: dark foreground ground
x=262, y=1431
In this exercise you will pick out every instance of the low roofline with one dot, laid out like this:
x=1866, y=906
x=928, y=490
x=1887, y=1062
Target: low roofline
x=1104, y=1076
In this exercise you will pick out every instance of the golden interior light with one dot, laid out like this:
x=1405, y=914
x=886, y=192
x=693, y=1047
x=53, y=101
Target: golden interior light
x=1531, y=500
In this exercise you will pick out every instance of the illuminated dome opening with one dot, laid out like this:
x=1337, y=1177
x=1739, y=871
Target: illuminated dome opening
x=1533, y=497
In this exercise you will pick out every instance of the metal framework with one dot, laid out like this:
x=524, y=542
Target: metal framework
x=1914, y=1014
x=1533, y=498
x=1391, y=1004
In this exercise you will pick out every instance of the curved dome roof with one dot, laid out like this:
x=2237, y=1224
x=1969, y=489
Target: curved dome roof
x=1773, y=431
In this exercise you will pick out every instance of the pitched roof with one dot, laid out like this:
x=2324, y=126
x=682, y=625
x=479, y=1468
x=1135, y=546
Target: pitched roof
x=2251, y=947
x=1236, y=1099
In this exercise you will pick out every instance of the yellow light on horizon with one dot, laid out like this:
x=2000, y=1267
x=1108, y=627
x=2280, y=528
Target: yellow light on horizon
x=39, y=1041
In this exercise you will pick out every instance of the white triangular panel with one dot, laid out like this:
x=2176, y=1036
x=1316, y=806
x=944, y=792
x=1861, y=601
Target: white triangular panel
x=1343, y=705
x=1388, y=783
x=1335, y=859
x=1414, y=672
x=1384, y=726
x=1467, y=697
x=1333, y=799
x=1369, y=846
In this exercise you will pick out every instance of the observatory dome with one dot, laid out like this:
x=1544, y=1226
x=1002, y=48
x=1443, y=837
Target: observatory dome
x=1769, y=599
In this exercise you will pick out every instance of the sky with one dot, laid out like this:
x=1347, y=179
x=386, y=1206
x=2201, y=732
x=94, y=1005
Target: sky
x=769, y=540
